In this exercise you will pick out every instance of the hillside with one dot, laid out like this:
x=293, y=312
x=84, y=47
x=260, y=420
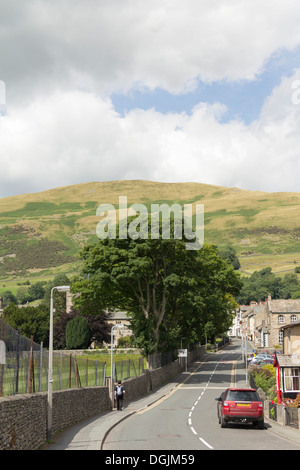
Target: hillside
x=41, y=233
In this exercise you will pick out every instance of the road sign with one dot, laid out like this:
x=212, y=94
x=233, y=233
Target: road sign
x=182, y=353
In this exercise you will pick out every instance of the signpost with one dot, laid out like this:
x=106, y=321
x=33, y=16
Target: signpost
x=183, y=353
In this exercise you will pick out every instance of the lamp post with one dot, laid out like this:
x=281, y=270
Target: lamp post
x=118, y=325
x=50, y=365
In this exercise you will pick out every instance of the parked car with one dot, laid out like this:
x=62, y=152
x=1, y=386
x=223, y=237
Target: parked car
x=264, y=362
x=258, y=358
x=250, y=357
x=240, y=405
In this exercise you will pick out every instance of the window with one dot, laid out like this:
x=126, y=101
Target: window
x=293, y=318
x=242, y=395
x=281, y=319
x=292, y=379
x=280, y=337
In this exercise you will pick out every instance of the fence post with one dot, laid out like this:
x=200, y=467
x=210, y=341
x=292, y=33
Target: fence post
x=60, y=372
x=87, y=372
x=104, y=374
x=134, y=368
x=78, y=382
x=18, y=361
x=41, y=367
x=2, y=361
x=30, y=383
x=70, y=372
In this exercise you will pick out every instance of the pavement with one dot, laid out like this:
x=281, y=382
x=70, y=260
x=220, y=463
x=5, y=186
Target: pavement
x=91, y=434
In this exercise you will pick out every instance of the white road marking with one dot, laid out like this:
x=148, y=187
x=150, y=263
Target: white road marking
x=197, y=401
x=205, y=443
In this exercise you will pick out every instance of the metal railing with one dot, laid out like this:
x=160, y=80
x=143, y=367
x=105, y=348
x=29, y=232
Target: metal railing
x=24, y=366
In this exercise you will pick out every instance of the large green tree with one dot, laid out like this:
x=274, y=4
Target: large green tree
x=169, y=291
x=31, y=321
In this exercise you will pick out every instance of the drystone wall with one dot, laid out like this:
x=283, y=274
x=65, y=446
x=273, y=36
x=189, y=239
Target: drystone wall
x=23, y=418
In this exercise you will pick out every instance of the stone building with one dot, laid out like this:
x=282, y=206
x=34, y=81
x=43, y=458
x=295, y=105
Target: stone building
x=278, y=314
x=263, y=322
x=291, y=339
x=119, y=317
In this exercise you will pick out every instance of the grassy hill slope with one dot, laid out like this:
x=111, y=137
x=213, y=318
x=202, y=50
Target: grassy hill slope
x=41, y=234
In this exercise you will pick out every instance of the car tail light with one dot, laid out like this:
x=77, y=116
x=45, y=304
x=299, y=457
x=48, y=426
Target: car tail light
x=225, y=403
x=260, y=405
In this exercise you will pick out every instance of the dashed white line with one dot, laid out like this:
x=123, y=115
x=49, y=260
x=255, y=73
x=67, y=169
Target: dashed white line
x=193, y=407
x=205, y=443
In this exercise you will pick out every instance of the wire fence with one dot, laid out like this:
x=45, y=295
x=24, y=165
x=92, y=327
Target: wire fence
x=24, y=366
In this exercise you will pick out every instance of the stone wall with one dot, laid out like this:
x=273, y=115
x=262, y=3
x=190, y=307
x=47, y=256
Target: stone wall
x=23, y=421
x=23, y=418
x=77, y=404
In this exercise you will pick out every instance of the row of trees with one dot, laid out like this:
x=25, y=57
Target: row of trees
x=170, y=292
x=262, y=283
x=71, y=330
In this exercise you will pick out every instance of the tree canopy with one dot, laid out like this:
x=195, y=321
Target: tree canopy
x=169, y=292
x=261, y=283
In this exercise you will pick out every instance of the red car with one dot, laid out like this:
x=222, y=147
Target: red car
x=240, y=405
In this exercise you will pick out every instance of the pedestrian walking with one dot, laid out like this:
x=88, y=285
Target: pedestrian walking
x=119, y=395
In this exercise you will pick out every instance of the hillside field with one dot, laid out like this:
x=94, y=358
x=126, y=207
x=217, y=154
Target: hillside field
x=41, y=233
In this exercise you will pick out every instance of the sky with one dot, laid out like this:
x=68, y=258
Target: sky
x=201, y=91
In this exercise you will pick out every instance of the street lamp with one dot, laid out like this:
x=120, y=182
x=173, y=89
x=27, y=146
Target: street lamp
x=118, y=325
x=50, y=365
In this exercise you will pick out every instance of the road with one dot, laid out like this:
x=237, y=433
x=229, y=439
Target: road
x=186, y=418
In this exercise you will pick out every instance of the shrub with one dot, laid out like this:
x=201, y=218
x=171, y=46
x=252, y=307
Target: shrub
x=125, y=342
x=78, y=333
x=265, y=378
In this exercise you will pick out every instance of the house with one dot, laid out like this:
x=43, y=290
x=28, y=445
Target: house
x=266, y=319
x=278, y=314
x=237, y=324
x=288, y=363
x=117, y=318
x=262, y=322
x=291, y=338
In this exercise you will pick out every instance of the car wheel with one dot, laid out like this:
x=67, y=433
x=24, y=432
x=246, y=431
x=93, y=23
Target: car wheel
x=223, y=423
x=261, y=425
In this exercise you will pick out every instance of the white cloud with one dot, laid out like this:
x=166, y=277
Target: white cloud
x=73, y=137
x=61, y=60
x=121, y=44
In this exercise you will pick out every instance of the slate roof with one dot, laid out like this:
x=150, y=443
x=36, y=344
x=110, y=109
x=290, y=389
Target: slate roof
x=285, y=306
x=288, y=360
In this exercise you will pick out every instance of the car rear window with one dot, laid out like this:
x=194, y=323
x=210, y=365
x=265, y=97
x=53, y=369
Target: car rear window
x=242, y=395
